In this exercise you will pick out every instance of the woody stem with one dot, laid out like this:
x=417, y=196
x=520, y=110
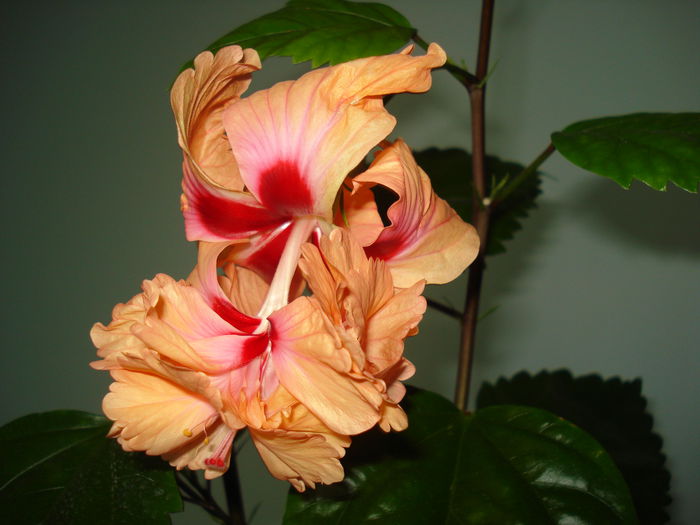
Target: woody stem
x=481, y=211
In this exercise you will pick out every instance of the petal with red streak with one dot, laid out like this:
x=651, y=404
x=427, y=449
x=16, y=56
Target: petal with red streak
x=296, y=141
x=213, y=214
x=315, y=369
x=426, y=238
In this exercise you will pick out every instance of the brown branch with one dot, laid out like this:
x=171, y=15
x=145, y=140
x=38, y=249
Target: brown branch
x=443, y=308
x=480, y=210
x=522, y=177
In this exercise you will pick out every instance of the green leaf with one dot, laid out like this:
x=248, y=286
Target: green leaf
x=612, y=411
x=58, y=467
x=502, y=465
x=654, y=148
x=323, y=31
x=450, y=171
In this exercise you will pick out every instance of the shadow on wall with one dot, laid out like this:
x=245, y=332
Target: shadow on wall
x=643, y=218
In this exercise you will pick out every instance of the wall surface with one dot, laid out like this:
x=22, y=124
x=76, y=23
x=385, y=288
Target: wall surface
x=601, y=279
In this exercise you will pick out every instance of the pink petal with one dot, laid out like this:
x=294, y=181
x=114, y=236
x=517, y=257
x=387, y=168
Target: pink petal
x=218, y=215
x=205, y=279
x=296, y=141
x=426, y=238
x=230, y=351
x=313, y=367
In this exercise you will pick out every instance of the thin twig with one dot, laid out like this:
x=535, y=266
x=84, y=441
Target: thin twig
x=440, y=307
x=234, y=498
x=205, y=501
x=521, y=177
x=480, y=210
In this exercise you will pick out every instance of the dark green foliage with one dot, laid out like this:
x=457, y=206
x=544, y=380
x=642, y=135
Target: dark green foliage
x=612, y=411
x=502, y=465
x=323, y=31
x=59, y=468
x=655, y=148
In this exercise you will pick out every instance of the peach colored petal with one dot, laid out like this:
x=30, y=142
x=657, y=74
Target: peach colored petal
x=116, y=338
x=245, y=288
x=198, y=98
x=393, y=376
x=426, y=238
x=313, y=367
x=302, y=449
x=300, y=458
x=390, y=325
x=359, y=213
x=296, y=141
x=393, y=418
x=153, y=414
x=381, y=318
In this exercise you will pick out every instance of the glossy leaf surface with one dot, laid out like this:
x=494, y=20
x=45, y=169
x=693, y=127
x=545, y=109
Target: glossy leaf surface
x=323, y=31
x=58, y=467
x=614, y=412
x=655, y=148
x=450, y=173
x=504, y=465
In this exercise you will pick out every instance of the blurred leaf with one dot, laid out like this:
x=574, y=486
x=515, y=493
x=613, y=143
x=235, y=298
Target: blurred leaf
x=58, y=467
x=612, y=411
x=654, y=148
x=450, y=171
x=323, y=31
x=502, y=465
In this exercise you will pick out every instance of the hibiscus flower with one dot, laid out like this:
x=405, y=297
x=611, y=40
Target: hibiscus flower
x=254, y=166
x=328, y=367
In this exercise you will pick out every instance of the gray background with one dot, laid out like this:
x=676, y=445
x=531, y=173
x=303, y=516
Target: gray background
x=601, y=280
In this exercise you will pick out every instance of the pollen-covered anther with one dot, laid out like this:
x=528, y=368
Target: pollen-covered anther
x=187, y=432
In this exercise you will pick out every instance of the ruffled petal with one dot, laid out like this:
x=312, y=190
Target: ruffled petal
x=152, y=414
x=302, y=459
x=315, y=369
x=116, y=338
x=301, y=449
x=426, y=238
x=296, y=141
x=198, y=98
x=389, y=326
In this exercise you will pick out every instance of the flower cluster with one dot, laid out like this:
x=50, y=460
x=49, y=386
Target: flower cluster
x=277, y=193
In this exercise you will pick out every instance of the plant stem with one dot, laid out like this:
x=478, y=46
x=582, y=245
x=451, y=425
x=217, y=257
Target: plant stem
x=443, y=308
x=196, y=494
x=481, y=211
x=521, y=177
x=234, y=499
